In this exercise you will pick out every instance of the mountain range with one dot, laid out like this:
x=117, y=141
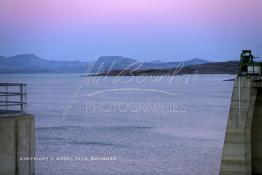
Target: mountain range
x=110, y=63
x=30, y=63
x=229, y=67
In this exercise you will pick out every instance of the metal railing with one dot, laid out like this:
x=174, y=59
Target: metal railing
x=13, y=97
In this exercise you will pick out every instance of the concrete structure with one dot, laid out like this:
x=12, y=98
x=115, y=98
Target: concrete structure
x=17, y=131
x=242, y=153
x=254, y=69
x=17, y=139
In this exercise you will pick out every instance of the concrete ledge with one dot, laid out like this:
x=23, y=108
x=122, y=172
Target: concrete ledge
x=17, y=138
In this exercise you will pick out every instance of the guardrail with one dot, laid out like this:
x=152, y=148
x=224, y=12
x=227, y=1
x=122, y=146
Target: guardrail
x=13, y=97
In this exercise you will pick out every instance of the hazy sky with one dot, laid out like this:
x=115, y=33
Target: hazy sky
x=142, y=29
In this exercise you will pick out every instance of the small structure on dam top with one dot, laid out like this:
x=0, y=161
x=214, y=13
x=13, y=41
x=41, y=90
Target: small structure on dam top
x=17, y=131
x=242, y=152
x=248, y=67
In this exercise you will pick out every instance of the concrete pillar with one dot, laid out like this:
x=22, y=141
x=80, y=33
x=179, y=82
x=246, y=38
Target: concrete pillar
x=243, y=138
x=17, y=138
x=256, y=138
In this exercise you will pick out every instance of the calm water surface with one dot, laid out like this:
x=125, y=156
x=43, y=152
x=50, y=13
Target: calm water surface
x=151, y=127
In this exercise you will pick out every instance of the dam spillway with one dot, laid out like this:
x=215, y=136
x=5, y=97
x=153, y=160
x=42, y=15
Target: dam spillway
x=242, y=152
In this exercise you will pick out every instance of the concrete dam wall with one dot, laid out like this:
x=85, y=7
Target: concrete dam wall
x=17, y=139
x=256, y=137
x=242, y=152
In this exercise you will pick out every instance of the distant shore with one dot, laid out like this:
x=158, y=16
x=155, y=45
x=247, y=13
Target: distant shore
x=230, y=67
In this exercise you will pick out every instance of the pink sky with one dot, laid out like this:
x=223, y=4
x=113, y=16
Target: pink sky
x=194, y=18
x=100, y=11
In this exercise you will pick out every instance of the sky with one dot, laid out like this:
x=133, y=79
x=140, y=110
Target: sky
x=170, y=30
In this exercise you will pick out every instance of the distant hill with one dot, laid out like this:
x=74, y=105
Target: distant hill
x=156, y=62
x=170, y=65
x=230, y=67
x=29, y=63
x=110, y=63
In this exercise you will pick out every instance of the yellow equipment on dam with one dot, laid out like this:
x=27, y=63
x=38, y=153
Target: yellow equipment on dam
x=242, y=152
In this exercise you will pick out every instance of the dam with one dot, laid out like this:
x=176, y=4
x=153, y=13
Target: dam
x=242, y=152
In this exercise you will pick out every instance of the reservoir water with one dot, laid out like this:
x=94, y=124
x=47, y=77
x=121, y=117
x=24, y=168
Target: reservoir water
x=128, y=125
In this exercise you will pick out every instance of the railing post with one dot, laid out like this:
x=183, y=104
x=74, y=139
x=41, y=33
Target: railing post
x=21, y=98
x=6, y=98
x=25, y=97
